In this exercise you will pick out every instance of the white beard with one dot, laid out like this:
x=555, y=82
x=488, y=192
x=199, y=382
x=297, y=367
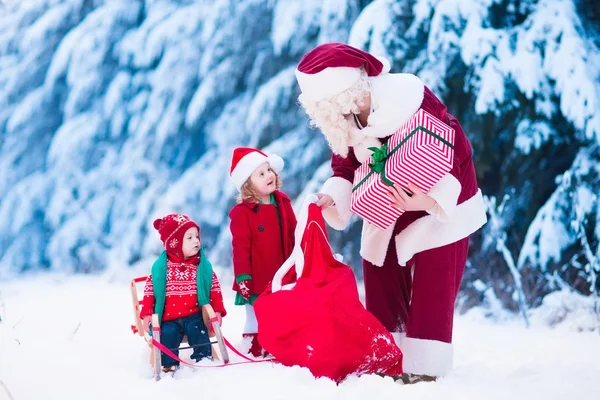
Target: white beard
x=396, y=97
x=355, y=138
x=338, y=143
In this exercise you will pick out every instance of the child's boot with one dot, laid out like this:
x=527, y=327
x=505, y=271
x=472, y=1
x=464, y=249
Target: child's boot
x=170, y=369
x=255, y=348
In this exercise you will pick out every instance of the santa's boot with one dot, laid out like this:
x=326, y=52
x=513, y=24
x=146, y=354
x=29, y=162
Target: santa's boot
x=408, y=378
x=255, y=348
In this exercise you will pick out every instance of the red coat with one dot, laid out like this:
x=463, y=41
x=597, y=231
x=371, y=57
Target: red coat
x=262, y=239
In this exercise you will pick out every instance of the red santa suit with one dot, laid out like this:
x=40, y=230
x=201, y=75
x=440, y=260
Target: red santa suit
x=412, y=270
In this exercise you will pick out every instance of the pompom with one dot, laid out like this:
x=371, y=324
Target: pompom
x=157, y=223
x=386, y=64
x=275, y=162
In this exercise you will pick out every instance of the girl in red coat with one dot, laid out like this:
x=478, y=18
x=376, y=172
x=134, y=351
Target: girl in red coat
x=182, y=281
x=262, y=229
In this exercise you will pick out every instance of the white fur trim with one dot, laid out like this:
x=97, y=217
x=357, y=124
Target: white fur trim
x=445, y=192
x=437, y=211
x=426, y=357
x=395, y=97
x=429, y=232
x=340, y=190
x=387, y=66
x=251, y=325
x=374, y=243
x=328, y=82
x=275, y=162
x=398, y=336
x=425, y=233
x=246, y=166
x=297, y=257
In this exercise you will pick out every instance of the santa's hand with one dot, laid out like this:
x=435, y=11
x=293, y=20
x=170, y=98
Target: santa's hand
x=245, y=289
x=325, y=200
x=415, y=201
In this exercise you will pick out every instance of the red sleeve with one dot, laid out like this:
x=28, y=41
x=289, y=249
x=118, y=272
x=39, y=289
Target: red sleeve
x=148, y=300
x=339, y=187
x=345, y=167
x=216, y=297
x=241, y=240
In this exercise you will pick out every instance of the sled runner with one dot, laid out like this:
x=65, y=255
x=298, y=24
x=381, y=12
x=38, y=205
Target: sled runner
x=217, y=343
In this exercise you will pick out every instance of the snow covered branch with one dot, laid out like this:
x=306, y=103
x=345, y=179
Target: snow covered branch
x=498, y=234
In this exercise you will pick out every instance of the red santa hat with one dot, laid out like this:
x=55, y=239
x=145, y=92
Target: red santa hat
x=331, y=68
x=246, y=159
x=171, y=229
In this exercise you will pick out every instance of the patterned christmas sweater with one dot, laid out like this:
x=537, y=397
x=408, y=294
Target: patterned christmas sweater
x=181, y=295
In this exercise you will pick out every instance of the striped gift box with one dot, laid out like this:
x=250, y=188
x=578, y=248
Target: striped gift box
x=420, y=152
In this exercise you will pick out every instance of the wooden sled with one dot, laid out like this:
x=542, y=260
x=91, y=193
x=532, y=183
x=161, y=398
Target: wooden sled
x=219, y=351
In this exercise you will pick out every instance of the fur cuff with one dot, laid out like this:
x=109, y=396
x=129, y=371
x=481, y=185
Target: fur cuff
x=429, y=232
x=445, y=193
x=426, y=357
x=340, y=191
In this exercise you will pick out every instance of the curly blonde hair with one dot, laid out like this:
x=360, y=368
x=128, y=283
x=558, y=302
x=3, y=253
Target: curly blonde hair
x=248, y=192
x=330, y=115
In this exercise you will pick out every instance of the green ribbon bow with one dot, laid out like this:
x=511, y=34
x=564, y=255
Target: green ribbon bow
x=379, y=157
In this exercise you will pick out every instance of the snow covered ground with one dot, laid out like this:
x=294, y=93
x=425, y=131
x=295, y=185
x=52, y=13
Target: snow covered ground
x=69, y=337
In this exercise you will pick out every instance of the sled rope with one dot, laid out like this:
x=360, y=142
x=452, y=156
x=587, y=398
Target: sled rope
x=168, y=352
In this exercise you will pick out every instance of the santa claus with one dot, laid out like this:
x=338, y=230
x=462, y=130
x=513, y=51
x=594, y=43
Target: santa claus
x=412, y=270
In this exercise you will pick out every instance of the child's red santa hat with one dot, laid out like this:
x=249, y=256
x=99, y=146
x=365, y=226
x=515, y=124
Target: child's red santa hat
x=331, y=68
x=171, y=229
x=246, y=159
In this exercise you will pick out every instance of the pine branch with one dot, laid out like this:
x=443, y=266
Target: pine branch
x=591, y=268
x=498, y=233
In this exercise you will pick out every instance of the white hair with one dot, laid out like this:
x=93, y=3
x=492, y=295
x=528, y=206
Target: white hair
x=331, y=115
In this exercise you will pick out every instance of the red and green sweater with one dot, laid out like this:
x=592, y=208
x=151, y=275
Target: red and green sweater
x=181, y=295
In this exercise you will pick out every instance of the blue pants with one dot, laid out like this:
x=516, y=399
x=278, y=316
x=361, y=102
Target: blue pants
x=172, y=333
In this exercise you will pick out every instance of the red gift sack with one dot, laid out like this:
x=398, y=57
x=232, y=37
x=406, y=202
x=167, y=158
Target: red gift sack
x=318, y=322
